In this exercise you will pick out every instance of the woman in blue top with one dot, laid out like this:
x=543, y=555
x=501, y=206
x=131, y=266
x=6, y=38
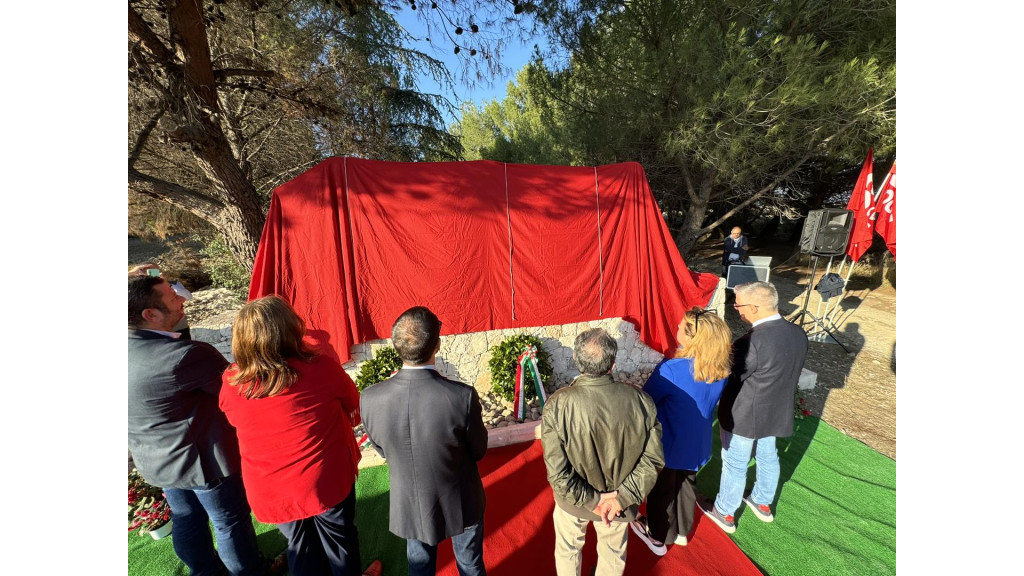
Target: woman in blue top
x=685, y=389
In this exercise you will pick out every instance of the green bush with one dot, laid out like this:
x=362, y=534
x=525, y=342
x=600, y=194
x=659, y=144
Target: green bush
x=503, y=362
x=383, y=364
x=225, y=271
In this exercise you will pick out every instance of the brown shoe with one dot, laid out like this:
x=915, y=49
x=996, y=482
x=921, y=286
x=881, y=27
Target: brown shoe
x=373, y=569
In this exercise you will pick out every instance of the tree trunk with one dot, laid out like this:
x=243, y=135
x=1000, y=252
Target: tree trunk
x=241, y=230
x=693, y=230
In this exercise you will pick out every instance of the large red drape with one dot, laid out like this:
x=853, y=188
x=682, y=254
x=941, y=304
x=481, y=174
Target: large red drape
x=353, y=243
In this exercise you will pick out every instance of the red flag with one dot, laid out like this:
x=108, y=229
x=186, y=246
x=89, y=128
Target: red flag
x=886, y=208
x=862, y=202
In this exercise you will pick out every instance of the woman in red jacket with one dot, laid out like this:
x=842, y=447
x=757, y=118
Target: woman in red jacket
x=294, y=411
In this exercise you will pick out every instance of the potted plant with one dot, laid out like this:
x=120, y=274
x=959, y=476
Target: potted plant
x=148, y=511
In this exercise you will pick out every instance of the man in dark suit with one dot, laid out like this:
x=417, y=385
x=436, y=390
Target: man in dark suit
x=431, y=431
x=734, y=250
x=757, y=403
x=179, y=438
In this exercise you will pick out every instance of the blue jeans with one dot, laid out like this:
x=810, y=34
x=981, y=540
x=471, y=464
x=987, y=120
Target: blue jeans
x=469, y=553
x=223, y=503
x=735, y=458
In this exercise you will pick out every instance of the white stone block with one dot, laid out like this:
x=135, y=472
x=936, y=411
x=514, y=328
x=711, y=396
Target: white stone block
x=807, y=379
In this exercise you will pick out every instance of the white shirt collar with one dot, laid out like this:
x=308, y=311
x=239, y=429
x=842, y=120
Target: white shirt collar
x=768, y=319
x=174, y=335
x=424, y=367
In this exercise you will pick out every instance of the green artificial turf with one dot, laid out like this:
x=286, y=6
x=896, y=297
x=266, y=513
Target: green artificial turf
x=835, y=510
x=835, y=514
x=148, y=557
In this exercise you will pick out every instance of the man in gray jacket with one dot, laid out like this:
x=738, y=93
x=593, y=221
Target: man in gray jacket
x=602, y=449
x=757, y=403
x=431, y=431
x=179, y=438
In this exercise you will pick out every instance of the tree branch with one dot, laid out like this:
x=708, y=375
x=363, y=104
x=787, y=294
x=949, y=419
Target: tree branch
x=197, y=203
x=133, y=156
x=140, y=31
x=225, y=73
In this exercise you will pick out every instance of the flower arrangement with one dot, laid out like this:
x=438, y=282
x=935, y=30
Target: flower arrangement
x=147, y=508
x=383, y=365
x=504, y=358
x=799, y=406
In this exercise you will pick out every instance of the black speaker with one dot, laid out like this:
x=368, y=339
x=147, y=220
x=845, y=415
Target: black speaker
x=826, y=232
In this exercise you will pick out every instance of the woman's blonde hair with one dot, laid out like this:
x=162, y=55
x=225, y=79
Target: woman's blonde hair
x=710, y=345
x=265, y=335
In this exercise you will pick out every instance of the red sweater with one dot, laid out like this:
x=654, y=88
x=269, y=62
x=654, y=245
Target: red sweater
x=299, y=455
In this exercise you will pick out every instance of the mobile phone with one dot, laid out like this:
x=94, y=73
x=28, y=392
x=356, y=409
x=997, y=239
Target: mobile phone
x=153, y=272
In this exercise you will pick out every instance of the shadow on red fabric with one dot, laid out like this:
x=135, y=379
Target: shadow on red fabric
x=520, y=536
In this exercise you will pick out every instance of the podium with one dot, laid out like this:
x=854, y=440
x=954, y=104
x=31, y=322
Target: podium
x=753, y=269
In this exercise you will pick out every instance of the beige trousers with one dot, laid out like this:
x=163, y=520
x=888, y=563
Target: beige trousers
x=570, y=534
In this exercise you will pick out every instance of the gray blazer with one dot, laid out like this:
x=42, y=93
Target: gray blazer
x=758, y=399
x=431, y=431
x=177, y=434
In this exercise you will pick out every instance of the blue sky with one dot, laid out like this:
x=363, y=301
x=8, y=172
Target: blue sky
x=515, y=56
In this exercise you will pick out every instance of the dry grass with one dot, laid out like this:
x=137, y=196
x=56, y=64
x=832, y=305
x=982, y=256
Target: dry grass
x=152, y=220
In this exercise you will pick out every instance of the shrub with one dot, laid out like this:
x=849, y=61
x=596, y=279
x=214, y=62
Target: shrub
x=384, y=363
x=225, y=271
x=503, y=363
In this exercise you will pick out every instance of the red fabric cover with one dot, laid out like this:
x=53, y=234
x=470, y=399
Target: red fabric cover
x=353, y=243
x=299, y=456
x=862, y=202
x=886, y=207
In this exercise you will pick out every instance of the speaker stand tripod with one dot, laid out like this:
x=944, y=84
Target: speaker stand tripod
x=799, y=316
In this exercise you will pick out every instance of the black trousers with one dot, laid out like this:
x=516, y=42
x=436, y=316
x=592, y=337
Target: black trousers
x=671, y=503
x=325, y=544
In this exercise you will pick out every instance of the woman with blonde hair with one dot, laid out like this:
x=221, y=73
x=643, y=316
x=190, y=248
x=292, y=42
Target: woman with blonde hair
x=294, y=411
x=685, y=389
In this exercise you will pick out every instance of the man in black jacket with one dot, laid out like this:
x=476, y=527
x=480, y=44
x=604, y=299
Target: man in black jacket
x=180, y=440
x=757, y=403
x=431, y=431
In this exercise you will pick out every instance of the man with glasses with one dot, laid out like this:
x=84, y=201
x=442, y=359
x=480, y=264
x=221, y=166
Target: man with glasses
x=734, y=251
x=757, y=403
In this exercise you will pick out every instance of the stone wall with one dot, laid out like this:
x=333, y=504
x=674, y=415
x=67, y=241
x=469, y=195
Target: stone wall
x=464, y=357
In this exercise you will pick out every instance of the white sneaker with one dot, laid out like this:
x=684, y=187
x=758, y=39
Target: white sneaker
x=681, y=540
x=639, y=527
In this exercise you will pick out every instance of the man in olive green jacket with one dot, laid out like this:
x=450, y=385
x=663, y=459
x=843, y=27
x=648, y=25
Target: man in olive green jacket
x=602, y=448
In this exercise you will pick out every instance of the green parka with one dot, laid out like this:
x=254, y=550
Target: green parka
x=601, y=436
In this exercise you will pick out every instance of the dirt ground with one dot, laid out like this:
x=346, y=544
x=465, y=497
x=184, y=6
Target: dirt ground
x=855, y=390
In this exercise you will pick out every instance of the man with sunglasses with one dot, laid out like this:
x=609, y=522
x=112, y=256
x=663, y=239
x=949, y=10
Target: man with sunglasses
x=757, y=403
x=181, y=441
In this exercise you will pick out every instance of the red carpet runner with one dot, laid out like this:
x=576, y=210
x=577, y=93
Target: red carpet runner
x=520, y=535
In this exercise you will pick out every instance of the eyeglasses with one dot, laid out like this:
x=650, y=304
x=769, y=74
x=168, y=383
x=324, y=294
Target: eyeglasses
x=738, y=306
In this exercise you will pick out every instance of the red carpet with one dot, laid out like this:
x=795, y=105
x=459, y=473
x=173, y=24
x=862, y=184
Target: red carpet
x=520, y=535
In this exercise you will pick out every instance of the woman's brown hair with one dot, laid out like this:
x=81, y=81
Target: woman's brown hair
x=710, y=345
x=266, y=334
